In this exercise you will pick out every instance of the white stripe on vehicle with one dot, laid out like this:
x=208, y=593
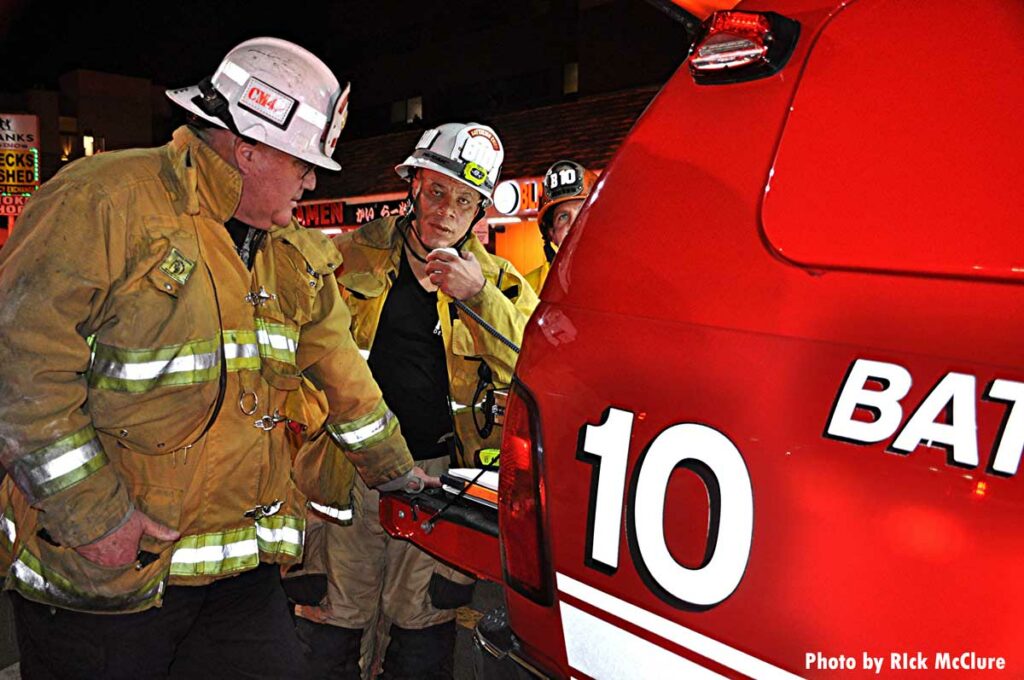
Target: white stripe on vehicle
x=673, y=632
x=602, y=650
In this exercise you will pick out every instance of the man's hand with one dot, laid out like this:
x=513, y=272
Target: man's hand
x=413, y=481
x=429, y=482
x=121, y=547
x=457, y=277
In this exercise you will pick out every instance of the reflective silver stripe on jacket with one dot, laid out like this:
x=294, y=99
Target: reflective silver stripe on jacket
x=215, y=553
x=10, y=531
x=238, y=549
x=53, y=468
x=235, y=350
x=356, y=437
x=276, y=340
x=148, y=370
x=340, y=514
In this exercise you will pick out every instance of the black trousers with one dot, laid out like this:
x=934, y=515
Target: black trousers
x=238, y=627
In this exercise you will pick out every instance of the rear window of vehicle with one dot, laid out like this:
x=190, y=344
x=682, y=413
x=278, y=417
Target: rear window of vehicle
x=903, y=150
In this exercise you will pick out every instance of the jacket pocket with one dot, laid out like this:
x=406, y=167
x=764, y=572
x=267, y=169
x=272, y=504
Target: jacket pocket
x=162, y=505
x=462, y=340
x=61, y=577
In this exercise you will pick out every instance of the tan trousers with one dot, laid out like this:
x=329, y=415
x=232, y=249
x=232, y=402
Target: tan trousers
x=373, y=580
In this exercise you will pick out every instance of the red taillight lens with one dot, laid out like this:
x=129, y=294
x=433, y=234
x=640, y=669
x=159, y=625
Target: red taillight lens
x=745, y=45
x=733, y=39
x=521, y=500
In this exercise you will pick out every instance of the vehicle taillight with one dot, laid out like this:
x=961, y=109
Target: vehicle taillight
x=738, y=46
x=521, y=500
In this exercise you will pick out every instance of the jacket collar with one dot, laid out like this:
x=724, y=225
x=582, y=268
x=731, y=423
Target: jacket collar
x=377, y=247
x=200, y=181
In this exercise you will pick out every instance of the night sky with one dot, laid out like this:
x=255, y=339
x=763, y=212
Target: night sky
x=177, y=43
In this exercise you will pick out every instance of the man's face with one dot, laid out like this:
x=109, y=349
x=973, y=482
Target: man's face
x=272, y=184
x=444, y=208
x=562, y=217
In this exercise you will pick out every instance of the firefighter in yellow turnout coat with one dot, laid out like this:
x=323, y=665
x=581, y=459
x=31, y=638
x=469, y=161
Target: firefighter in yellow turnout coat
x=566, y=185
x=435, y=364
x=147, y=361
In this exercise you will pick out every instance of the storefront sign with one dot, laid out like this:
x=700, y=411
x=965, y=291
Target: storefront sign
x=518, y=197
x=323, y=214
x=19, y=154
x=11, y=206
x=361, y=213
x=326, y=214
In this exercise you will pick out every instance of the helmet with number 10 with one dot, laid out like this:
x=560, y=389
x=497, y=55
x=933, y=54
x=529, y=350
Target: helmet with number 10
x=564, y=181
x=468, y=152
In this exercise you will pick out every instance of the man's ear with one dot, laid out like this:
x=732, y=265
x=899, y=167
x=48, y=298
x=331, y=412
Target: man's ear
x=245, y=155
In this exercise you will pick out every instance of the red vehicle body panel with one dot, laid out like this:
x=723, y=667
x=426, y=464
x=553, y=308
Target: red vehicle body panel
x=746, y=247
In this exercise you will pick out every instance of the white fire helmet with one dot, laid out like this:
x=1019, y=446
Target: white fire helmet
x=468, y=152
x=277, y=93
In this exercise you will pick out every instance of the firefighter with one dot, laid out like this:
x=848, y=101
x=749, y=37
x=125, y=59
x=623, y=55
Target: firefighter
x=160, y=309
x=566, y=185
x=436, y=365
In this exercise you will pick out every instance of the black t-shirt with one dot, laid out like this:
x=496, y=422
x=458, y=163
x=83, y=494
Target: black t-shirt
x=408, y=362
x=247, y=240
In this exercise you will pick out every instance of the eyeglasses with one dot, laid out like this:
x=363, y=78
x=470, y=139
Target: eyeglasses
x=305, y=167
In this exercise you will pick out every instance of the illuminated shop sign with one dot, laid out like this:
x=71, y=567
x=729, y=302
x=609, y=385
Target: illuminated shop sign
x=323, y=214
x=19, y=155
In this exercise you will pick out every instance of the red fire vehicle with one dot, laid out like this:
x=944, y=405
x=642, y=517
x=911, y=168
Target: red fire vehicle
x=769, y=416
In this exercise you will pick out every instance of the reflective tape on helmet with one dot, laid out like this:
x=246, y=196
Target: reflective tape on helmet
x=371, y=429
x=340, y=514
x=311, y=115
x=234, y=72
x=54, y=468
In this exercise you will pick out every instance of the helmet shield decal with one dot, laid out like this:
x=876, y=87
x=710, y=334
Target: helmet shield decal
x=480, y=151
x=564, y=179
x=337, y=121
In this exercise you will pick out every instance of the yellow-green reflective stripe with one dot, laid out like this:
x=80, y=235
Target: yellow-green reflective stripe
x=140, y=370
x=215, y=553
x=241, y=350
x=237, y=549
x=41, y=584
x=371, y=429
x=53, y=468
x=277, y=341
x=280, y=534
